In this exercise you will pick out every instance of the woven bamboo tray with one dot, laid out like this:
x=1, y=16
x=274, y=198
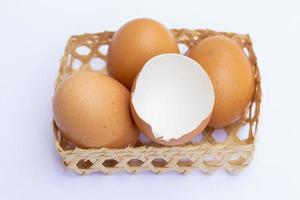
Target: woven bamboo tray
x=207, y=155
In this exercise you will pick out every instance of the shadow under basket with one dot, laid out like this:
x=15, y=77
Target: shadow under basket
x=233, y=153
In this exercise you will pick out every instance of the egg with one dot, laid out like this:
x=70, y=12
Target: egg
x=231, y=74
x=93, y=110
x=134, y=44
x=172, y=99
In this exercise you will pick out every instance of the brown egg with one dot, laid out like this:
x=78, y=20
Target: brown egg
x=93, y=110
x=172, y=99
x=232, y=76
x=134, y=44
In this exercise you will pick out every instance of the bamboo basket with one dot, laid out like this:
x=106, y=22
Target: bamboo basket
x=207, y=155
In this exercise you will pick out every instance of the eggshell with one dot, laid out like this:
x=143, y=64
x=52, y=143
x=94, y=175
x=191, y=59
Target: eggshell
x=134, y=44
x=93, y=110
x=172, y=99
x=232, y=76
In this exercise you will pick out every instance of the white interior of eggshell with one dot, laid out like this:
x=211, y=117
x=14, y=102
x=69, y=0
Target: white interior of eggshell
x=173, y=94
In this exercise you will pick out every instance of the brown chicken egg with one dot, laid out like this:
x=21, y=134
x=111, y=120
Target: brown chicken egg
x=231, y=74
x=134, y=44
x=93, y=110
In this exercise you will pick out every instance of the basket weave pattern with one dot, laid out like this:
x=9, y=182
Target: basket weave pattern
x=207, y=155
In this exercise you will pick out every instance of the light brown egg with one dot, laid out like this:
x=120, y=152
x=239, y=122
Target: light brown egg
x=134, y=44
x=93, y=110
x=232, y=76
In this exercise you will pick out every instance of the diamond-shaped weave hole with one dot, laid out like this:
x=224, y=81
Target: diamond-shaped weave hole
x=159, y=162
x=97, y=64
x=76, y=64
x=246, y=52
x=144, y=139
x=209, y=159
x=185, y=162
x=69, y=59
x=219, y=135
x=182, y=48
x=198, y=138
x=253, y=108
x=83, y=50
x=236, y=159
x=110, y=163
x=243, y=133
x=84, y=164
x=103, y=49
x=135, y=163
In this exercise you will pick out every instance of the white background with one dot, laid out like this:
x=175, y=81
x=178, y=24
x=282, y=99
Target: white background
x=33, y=35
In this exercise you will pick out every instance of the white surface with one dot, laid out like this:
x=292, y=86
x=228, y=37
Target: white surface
x=167, y=96
x=33, y=36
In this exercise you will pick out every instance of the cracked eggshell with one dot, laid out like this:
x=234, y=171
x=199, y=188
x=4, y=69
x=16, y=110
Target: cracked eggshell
x=231, y=74
x=172, y=99
x=93, y=110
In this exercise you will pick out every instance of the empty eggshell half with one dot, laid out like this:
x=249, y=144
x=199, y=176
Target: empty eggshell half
x=172, y=99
